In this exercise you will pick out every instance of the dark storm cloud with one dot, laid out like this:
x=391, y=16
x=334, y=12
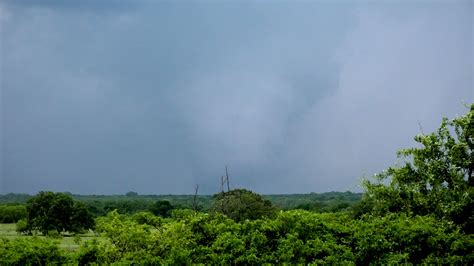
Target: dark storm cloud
x=294, y=97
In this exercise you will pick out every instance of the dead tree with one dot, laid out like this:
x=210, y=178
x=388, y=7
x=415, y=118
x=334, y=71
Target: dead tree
x=227, y=178
x=195, y=198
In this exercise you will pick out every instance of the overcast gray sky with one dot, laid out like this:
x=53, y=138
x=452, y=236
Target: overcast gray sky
x=102, y=96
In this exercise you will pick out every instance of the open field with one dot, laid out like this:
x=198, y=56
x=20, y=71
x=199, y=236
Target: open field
x=8, y=231
x=67, y=243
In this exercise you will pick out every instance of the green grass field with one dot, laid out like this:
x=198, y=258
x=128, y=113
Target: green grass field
x=67, y=243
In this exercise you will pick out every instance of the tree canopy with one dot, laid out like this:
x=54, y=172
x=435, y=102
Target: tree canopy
x=435, y=178
x=241, y=204
x=162, y=208
x=49, y=211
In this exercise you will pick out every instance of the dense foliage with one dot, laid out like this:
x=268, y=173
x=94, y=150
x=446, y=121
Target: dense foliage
x=162, y=208
x=12, y=213
x=437, y=178
x=241, y=204
x=34, y=251
x=290, y=237
x=49, y=211
x=316, y=202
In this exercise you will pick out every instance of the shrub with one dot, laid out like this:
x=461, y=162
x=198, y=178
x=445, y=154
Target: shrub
x=22, y=227
x=30, y=251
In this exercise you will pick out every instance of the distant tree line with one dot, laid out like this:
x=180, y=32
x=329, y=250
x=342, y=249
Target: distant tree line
x=101, y=205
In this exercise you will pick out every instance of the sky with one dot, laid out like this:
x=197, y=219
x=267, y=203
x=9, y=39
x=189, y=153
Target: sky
x=105, y=97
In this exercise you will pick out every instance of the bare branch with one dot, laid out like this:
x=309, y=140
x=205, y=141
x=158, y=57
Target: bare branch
x=421, y=128
x=195, y=196
x=227, y=177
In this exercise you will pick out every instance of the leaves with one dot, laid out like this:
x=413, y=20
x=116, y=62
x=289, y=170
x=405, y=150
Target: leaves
x=436, y=178
x=49, y=211
x=241, y=204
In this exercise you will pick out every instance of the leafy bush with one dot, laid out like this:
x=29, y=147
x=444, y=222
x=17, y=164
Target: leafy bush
x=399, y=238
x=125, y=234
x=147, y=218
x=22, y=227
x=34, y=251
x=436, y=178
x=93, y=251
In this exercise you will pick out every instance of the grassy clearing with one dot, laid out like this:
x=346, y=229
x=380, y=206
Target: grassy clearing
x=8, y=231
x=67, y=243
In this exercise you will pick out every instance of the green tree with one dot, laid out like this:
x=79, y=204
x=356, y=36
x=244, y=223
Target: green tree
x=131, y=194
x=436, y=178
x=162, y=208
x=81, y=218
x=241, y=204
x=49, y=211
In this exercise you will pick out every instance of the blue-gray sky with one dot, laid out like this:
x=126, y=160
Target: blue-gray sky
x=102, y=96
